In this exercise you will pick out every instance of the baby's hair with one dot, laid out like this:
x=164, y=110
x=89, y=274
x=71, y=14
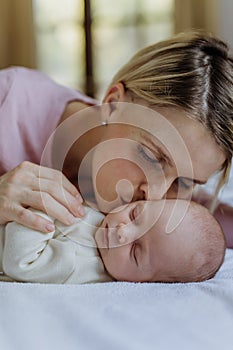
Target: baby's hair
x=210, y=245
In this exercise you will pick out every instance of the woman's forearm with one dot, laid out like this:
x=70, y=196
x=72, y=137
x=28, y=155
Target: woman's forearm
x=224, y=215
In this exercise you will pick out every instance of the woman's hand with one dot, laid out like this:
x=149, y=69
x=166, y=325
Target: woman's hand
x=31, y=185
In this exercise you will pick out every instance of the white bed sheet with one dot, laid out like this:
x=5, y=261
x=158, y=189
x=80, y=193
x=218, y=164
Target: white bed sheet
x=119, y=316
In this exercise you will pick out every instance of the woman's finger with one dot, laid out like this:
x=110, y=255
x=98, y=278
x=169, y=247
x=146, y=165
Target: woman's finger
x=12, y=211
x=31, y=177
x=57, y=176
x=46, y=203
x=52, y=193
x=28, y=218
x=59, y=193
x=26, y=172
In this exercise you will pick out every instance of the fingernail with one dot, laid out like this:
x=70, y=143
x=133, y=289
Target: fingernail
x=49, y=227
x=70, y=219
x=79, y=198
x=81, y=210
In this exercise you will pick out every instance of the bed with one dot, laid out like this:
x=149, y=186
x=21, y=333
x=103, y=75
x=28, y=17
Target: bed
x=120, y=316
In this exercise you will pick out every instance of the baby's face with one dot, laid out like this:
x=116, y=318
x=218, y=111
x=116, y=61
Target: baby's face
x=134, y=243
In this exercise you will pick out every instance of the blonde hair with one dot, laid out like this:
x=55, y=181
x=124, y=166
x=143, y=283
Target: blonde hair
x=192, y=71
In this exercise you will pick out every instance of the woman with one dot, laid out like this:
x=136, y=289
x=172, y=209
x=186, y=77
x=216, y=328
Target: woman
x=165, y=125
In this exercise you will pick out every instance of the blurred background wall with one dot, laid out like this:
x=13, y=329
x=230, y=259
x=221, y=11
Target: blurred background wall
x=82, y=43
x=17, y=36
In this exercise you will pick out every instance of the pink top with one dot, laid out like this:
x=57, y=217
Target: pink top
x=31, y=105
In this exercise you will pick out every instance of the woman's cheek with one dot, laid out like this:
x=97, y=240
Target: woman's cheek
x=108, y=180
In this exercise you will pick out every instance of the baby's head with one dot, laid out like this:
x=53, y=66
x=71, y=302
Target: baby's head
x=161, y=241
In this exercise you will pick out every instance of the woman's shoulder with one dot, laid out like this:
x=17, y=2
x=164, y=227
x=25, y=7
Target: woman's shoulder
x=7, y=77
x=17, y=80
x=39, y=84
x=13, y=73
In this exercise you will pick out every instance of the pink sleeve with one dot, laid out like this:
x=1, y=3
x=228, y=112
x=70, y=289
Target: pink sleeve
x=31, y=105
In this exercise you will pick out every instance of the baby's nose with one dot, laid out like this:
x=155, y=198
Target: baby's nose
x=121, y=234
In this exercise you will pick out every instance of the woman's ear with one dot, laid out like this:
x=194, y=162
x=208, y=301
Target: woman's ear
x=116, y=93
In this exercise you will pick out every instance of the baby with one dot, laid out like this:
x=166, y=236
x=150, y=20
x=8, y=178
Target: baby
x=144, y=241
x=162, y=241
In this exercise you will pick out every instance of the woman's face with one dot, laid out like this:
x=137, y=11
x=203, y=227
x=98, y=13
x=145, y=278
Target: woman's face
x=148, y=154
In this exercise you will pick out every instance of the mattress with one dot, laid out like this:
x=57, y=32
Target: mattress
x=119, y=315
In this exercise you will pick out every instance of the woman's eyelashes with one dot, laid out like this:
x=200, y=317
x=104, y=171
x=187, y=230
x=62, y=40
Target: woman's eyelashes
x=150, y=157
x=159, y=163
x=185, y=184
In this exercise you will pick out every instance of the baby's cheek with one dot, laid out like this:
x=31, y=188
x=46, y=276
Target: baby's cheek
x=113, y=263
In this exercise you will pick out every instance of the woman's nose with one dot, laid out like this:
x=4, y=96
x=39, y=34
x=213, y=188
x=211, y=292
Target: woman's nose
x=158, y=190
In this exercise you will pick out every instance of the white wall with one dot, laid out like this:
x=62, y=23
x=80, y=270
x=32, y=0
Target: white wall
x=225, y=20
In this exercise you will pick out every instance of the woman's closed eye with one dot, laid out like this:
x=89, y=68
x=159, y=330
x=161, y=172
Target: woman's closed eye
x=186, y=184
x=149, y=156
